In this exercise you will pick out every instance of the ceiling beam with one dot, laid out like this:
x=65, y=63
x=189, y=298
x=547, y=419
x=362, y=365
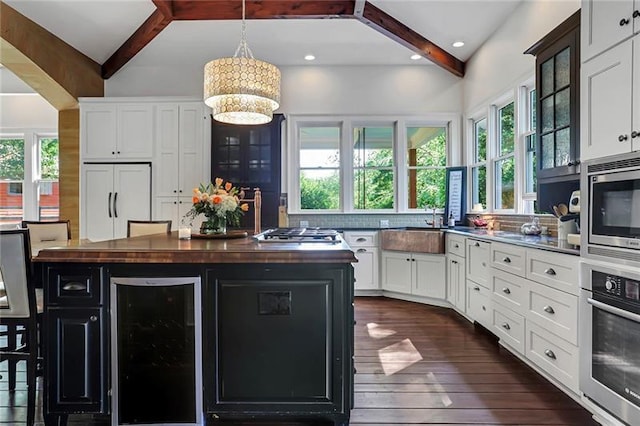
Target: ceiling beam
x=397, y=31
x=50, y=66
x=165, y=7
x=262, y=9
x=154, y=24
x=362, y=10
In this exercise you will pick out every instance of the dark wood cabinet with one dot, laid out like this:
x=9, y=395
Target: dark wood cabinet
x=278, y=349
x=250, y=156
x=76, y=331
x=558, y=112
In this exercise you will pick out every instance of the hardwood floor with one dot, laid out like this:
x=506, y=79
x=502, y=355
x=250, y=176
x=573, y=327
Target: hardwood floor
x=416, y=364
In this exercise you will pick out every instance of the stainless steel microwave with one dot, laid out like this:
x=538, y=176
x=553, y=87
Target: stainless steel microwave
x=613, y=208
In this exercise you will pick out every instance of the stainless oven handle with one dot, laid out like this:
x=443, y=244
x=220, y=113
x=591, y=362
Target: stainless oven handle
x=613, y=310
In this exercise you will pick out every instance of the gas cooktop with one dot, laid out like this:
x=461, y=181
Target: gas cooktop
x=299, y=235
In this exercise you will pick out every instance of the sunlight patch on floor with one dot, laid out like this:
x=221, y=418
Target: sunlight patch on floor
x=444, y=397
x=397, y=357
x=377, y=332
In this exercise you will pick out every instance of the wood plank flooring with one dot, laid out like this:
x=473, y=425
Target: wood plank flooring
x=416, y=365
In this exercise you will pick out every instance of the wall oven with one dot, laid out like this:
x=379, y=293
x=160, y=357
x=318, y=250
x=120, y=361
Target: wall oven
x=613, y=209
x=610, y=339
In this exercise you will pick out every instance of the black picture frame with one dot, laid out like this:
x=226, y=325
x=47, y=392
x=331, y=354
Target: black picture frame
x=456, y=193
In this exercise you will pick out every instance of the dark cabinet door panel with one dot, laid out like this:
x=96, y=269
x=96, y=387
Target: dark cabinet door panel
x=76, y=361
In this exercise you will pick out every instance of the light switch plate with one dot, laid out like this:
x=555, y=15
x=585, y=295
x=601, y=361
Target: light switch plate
x=304, y=223
x=384, y=223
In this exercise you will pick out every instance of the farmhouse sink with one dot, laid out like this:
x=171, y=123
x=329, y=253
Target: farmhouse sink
x=422, y=240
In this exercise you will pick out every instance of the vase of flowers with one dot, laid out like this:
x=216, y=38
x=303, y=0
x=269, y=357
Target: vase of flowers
x=220, y=203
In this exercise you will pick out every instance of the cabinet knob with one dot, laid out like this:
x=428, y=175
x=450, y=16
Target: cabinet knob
x=624, y=21
x=118, y=152
x=174, y=191
x=93, y=318
x=413, y=260
x=113, y=153
x=548, y=309
x=457, y=246
x=180, y=191
x=506, y=326
x=506, y=260
x=623, y=138
x=408, y=260
x=477, y=244
x=506, y=291
x=550, y=354
x=636, y=13
x=635, y=134
x=175, y=202
x=476, y=288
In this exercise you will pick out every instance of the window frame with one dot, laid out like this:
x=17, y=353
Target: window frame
x=32, y=175
x=496, y=152
x=472, y=154
x=291, y=156
x=527, y=124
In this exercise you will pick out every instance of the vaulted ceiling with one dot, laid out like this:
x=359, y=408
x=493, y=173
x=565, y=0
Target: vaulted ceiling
x=120, y=33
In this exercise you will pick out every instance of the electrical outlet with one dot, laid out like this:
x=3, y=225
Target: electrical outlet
x=304, y=223
x=384, y=223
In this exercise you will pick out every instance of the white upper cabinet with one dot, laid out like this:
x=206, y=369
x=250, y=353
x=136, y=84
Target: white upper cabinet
x=122, y=131
x=606, y=23
x=610, y=102
x=179, y=155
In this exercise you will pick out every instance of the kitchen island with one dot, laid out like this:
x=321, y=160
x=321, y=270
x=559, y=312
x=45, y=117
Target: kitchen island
x=154, y=330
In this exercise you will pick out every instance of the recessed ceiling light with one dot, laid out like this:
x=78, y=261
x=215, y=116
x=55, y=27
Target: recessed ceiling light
x=309, y=57
x=415, y=57
x=458, y=43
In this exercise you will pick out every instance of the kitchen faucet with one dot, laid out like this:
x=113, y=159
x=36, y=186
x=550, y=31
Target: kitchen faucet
x=433, y=215
x=257, y=207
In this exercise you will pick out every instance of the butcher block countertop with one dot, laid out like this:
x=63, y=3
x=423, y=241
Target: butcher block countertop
x=167, y=248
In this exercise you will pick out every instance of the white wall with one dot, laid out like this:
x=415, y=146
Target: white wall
x=499, y=65
x=402, y=90
x=27, y=112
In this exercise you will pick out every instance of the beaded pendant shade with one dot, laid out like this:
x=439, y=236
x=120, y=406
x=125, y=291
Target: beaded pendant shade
x=242, y=89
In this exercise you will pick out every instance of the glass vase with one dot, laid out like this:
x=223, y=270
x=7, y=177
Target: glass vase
x=214, y=225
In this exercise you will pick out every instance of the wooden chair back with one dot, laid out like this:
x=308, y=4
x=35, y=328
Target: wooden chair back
x=136, y=228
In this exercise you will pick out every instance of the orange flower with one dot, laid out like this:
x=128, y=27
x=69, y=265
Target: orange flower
x=228, y=186
x=244, y=207
x=217, y=199
x=195, y=199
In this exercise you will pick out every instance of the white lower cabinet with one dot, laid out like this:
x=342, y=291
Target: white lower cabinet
x=365, y=248
x=554, y=355
x=479, y=303
x=456, y=282
x=414, y=273
x=174, y=208
x=112, y=195
x=508, y=326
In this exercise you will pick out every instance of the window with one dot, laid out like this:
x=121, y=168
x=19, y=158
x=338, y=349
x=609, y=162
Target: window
x=28, y=185
x=505, y=161
x=373, y=168
x=319, y=167
x=426, y=166
x=479, y=166
x=529, y=142
x=368, y=165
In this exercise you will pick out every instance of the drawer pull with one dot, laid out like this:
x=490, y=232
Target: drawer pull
x=550, y=354
x=361, y=240
x=506, y=326
x=548, y=309
x=549, y=271
x=361, y=250
x=624, y=21
x=506, y=291
x=457, y=246
x=476, y=288
x=93, y=318
x=74, y=286
x=484, y=308
x=477, y=244
x=506, y=260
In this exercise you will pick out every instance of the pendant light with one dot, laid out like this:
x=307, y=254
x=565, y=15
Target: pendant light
x=242, y=89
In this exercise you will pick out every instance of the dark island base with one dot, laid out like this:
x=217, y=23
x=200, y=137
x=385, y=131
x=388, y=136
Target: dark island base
x=96, y=420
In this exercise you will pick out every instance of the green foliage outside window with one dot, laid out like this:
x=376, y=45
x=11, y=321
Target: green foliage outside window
x=12, y=159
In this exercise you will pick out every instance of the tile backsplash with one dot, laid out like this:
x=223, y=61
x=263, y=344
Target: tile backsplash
x=505, y=222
